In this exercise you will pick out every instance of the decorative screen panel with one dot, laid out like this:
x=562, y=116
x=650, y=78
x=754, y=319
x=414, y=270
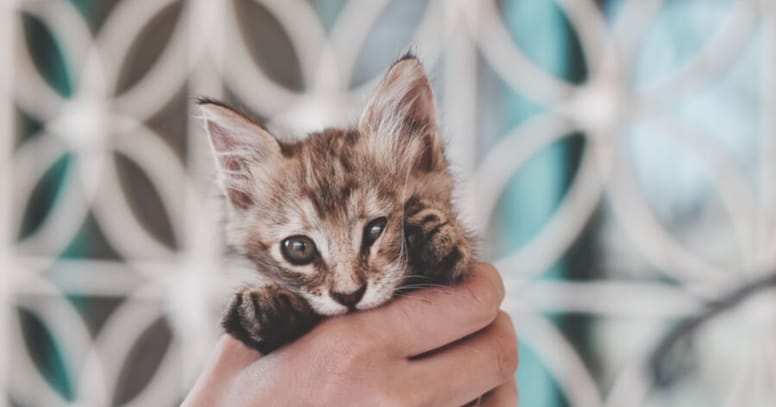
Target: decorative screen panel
x=617, y=157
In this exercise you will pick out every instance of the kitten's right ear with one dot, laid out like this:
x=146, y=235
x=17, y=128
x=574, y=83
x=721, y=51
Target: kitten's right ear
x=239, y=145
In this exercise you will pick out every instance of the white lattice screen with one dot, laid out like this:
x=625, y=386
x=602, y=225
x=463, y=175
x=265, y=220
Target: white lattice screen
x=695, y=134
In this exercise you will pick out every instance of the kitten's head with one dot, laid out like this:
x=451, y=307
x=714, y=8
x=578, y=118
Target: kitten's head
x=324, y=216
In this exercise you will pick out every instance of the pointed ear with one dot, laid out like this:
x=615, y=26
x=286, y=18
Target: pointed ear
x=240, y=146
x=402, y=112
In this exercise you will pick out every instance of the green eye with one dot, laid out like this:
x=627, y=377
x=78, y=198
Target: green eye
x=299, y=250
x=373, y=230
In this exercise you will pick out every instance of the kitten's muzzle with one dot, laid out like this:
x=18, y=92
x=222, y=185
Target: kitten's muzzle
x=349, y=299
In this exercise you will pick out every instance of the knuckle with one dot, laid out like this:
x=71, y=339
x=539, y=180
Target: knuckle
x=419, y=398
x=506, y=347
x=485, y=295
x=507, y=361
x=494, y=278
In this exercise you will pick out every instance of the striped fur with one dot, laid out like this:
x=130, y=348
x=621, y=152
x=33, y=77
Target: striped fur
x=328, y=187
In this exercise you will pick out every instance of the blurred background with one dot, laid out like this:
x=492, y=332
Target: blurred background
x=617, y=157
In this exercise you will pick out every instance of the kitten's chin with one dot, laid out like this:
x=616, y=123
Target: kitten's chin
x=325, y=306
x=332, y=312
x=369, y=303
x=326, y=312
x=328, y=307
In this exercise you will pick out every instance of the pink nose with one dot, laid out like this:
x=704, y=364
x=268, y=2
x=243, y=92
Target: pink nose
x=349, y=299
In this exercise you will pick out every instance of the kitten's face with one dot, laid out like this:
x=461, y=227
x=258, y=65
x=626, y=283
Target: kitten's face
x=324, y=217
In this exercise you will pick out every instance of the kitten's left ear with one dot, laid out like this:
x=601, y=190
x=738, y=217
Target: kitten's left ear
x=403, y=113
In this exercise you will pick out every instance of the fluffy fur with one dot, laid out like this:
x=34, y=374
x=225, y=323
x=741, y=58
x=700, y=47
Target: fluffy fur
x=329, y=187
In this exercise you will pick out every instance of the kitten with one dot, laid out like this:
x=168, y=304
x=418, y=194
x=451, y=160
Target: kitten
x=343, y=219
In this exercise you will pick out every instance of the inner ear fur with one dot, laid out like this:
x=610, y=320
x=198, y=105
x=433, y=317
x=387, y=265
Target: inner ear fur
x=238, y=144
x=402, y=113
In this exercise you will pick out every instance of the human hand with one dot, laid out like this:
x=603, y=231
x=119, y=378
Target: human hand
x=442, y=346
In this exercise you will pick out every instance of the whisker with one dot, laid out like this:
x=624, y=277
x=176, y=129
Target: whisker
x=413, y=296
x=236, y=186
x=403, y=247
x=240, y=152
x=241, y=173
x=428, y=283
x=418, y=276
x=420, y=286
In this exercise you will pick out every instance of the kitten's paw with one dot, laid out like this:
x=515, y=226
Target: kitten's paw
x=439, y=246
x=268, y=317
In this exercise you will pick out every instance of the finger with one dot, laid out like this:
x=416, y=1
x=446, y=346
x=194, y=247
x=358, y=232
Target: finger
x=472, y=366
x=502, y=396
x=428, y=319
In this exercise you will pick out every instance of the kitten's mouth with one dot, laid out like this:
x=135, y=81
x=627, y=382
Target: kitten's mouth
x=328, y=306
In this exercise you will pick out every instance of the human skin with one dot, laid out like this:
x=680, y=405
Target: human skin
x=436, y=347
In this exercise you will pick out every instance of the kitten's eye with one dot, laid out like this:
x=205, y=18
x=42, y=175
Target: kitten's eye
x=299, y=250
x=373, y=230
